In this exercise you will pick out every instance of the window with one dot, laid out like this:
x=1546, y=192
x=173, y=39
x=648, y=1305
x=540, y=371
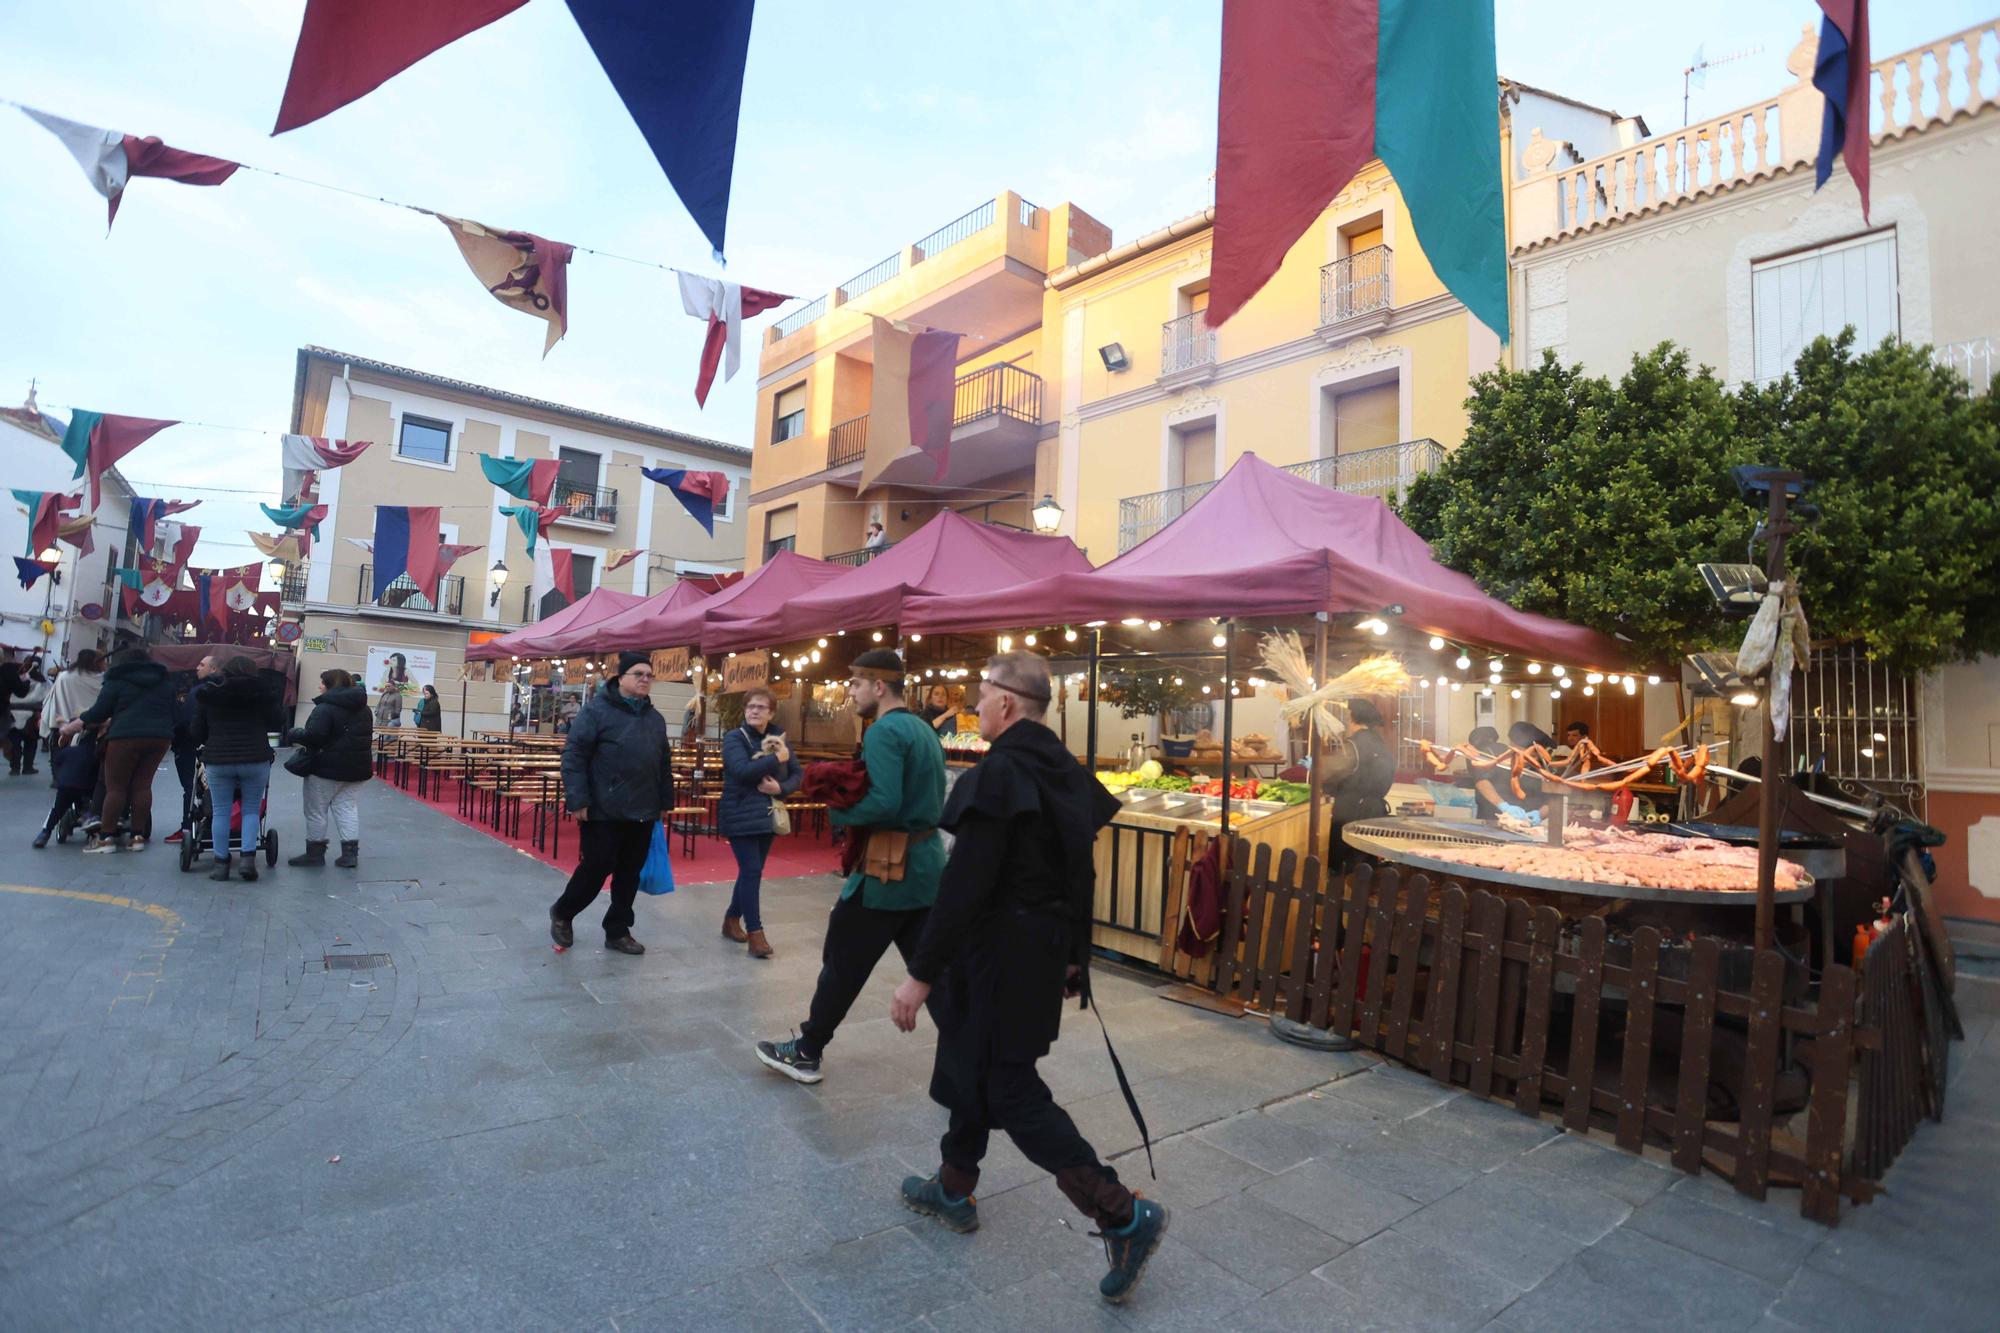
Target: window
x=576, y=469
x=1797, y=298
x=727, y=509
x=1366, y=418
x=582, y=572
x=781, y=530
x=425, y=441
x=788, y=414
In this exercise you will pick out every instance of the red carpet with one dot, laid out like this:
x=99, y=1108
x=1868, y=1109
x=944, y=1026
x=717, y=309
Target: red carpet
x=792, y=856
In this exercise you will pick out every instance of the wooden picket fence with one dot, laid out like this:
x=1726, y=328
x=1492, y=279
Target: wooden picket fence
x=1465, y=985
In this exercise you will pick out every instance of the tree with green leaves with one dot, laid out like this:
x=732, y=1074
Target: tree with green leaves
x=1594, y=501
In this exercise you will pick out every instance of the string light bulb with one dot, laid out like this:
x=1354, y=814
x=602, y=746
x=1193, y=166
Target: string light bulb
x=1069, y=636
x=1594, y=678
x=1559, y=672
x=1028, y=639
x=822, y=643
x=1152, y=624
x=1631, y=686
x=1555, y=694
x=1219, y=640
x=1493, y=665
x=1589, y=690
x=1652, y=680
x=1534, y=668
x=1424, y=683
x=1436, y=643
x=1463, y=661
x=1513, y=694
x=918, y=638
x=1456, y=687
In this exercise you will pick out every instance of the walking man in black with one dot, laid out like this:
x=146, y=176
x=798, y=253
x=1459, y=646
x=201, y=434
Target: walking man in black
x=1007, y=940
x=617, y=780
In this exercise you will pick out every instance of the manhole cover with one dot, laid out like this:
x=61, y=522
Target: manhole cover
x=355, y=962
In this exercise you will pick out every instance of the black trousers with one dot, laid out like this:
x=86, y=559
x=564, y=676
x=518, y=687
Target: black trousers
x=856, y=939
x=67, y=799
x=1012, y=1098
x=613, y=848
x=26, y=740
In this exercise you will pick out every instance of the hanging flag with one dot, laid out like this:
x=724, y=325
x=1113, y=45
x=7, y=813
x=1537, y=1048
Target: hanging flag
x=29, y=570
x=175, y=543
x=158, y=579
x=298, y=516
x=522, y=271
x=725, y=306
x=45, y=511
x=1312, y=89
x=530, y=479
x=110, y=159
x=450, y=553
x=532, y=520
x=78, y=532
x=621, y=557
x=147, y=513
x=286, y=547
x=349, y=48
x=562, y=569
x=1841, y=72
x=406, y=542
x=910, y=398
x=678, y=68
x=698, y=492
x=306, y=454
x=129, y=583
x=97, y=440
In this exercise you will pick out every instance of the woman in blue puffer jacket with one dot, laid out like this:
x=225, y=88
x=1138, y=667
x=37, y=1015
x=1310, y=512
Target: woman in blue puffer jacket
x=757, y=766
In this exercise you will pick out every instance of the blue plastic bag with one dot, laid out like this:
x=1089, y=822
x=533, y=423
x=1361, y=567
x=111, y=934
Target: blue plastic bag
x=658, y=876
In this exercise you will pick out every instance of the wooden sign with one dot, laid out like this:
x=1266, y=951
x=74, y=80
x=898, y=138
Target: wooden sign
x=782, y=690
x=670, y=664
x=746, y=671
x=538, y=671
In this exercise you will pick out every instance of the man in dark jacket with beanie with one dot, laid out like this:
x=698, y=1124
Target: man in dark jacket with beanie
x=618, y=779
x=1008, y=938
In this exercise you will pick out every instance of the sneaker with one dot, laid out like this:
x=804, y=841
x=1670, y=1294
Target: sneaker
x=97, y=845
x=136, y=844
x=175, y=836
x=625, y=944
x=559, y=930
x=927, y=1196
x=42, y=838
x=1127, y=1251
x=784, y=1057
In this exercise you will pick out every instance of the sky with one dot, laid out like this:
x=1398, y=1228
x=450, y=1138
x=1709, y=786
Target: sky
x=863, y=128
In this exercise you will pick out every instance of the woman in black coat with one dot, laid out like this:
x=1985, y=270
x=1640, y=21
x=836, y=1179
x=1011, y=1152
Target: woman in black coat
x=430, y=710
x=339, y=736
x=757, y=766
x=233, y=722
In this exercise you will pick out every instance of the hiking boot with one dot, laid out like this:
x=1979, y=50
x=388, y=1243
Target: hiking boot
x=350, y=855
x=249, y=867
x=785, y=1057
x=559, y=930
x=1128, y=1250
x=42, y=838
x=313, y=855
x=221, y=871
x=625, y=944
x=759, y=946
x=732, y=929
x=927, y=1196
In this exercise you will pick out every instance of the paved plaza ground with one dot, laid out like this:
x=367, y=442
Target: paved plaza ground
x=202, y=1127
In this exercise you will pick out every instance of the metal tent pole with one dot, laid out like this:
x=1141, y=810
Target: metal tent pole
x=1313, y=739
x=1228, y=713
x=1090, y=743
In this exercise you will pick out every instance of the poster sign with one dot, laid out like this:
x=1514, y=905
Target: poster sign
x=397, y=676
x=670, y=664
x=746, y=671
x=317, y=643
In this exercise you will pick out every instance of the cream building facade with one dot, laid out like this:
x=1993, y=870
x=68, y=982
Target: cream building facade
x=428, y=432
x=1714, y=237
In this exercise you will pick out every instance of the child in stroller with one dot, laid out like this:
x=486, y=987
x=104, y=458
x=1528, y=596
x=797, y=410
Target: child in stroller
x=198, y=835
x=75, y=770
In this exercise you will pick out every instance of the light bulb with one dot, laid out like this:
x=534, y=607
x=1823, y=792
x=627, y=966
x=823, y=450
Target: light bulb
x=1594, y=678
x=1456, y=687
x=1555, y=694
x=1436, y=643
x=1204, y=689
x=1381, y=628
x=1132, y=622
x=1424, y=683
x=1743, y=699
x=1028, y=639
x=1177, y=680
x=822, y=643
x=1559, y=672
x=1152, y=624
x=815, y=654
x=1652, y=680
x=1069, y=635
x=1219, y=640
x=1513, y=694
x=1006, y=643
x=1631, y=686
x=878, y=636
x=918, y=638
x=1589, y=690
x=1534, y=668
x=1234, y=691
x=1493, y=664
x=1492, y=678
x=1463, y=661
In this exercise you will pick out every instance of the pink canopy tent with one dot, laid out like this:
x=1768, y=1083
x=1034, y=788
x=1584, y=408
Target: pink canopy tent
x=670, y=620
x=1266, y=544
x=950, y=557
x=535, y=640
x=607, y=633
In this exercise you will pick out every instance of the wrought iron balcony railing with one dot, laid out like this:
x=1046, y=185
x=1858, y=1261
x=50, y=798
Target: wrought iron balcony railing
x=585, y=504
x=403, y=595
x=1356, y=285
x=1186, y=344
x=1385, y=473
x=996, y=391
x=292, y=587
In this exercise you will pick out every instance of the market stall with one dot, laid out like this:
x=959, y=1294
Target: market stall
x=541, y=638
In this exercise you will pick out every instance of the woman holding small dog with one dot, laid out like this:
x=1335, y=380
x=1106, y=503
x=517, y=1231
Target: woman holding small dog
x=758, y=771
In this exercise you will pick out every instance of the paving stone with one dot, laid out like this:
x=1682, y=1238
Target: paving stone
x=1601, y=1167
x=1256, y=1241
x=1398, y=1094
x=1192, y=1172
x=1753, y=1245
x=1394, y=1282
x=1335, y=1201
x=1507, y=1233
x=1266, y=1141
x=752, y=1302
x=878, y=1281
x=1630, y=1281
x=1047, y=1300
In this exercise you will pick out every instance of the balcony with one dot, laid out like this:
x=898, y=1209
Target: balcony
x=856, y=559
x=1187, y=350
x=1973, y=359
x=292, y=586
x=1385, y=473
x=1355, y=294
x=587, y=506
x=997, y=408
x=403, y=595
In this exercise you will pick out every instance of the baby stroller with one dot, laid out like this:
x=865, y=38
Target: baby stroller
x=198, y=835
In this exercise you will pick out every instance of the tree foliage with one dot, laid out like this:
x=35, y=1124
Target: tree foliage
x=1594, y=501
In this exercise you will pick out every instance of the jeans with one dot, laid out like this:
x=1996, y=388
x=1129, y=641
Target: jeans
x=330, y=796
x=228, y=784
x=856, y=938
x=744, y=902
x=615, y=848
x=129, y=766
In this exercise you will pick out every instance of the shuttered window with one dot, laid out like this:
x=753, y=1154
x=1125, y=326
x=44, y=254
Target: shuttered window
x=788, y=414
x=1797, y=298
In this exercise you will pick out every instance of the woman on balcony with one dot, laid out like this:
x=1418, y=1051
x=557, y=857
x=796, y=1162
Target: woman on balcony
x=758, y=771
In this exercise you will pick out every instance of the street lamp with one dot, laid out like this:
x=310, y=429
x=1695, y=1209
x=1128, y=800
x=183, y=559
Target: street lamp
x=498, y=576
x=1048, y=515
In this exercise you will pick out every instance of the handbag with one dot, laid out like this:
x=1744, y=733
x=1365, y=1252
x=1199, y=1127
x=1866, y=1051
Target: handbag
x=299, y=763
x=781, y=818
x=657, y=876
